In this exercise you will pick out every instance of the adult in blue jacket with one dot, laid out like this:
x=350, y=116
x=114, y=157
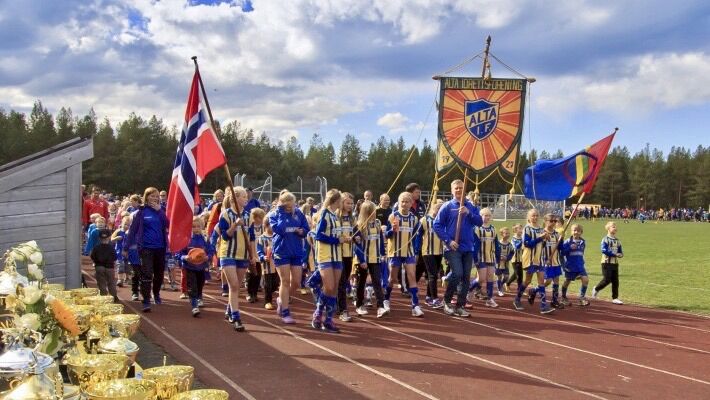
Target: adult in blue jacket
x=290, y=227
x=148, y=235
x=458, y=253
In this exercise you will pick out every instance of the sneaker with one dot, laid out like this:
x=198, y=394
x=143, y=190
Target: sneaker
x=546, y=310
x=417, y=312
x=269, y=306
x=184, y=296
x=594, y=293
x=381, y=312
x=227, y=317
x=362, y=310
x=500, y=293
x=316, y=323
x=583, y=302
x=238, y=326
x=119, y=283
x=200, y=303
x=437, y=304
x=386, y=305
x=345, y=316
x=157, y=300
x=449, y=309
x=461, y=312
x=303, y=291
x=146, y=307
x=429, y=301
x=288, y=320
x=518, y=305
x=506, y=287
x=251, y=299
x=195, y=312
x=329, y=326
x=531, y=297
x=369, y=292
x=565, y=301
x=368, y=302
x=443, y=281
x=557, y=304
x=134, y=297
x=480, y=295
x=617, y=301
x=225, y=294
x=491, y=303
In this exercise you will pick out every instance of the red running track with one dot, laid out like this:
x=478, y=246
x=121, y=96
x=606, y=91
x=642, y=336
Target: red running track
x=601, y=351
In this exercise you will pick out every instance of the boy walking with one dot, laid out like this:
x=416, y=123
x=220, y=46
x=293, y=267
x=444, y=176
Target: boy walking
x=104, y=258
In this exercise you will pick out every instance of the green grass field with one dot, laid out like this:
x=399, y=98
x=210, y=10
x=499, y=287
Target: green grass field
x=665, y=265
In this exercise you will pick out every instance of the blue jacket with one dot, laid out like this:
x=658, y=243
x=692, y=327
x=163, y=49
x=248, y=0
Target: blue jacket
x=92, y=239
x=196, y=242
x=574, y=259
x=135, y=232
x=445, y=224
x=288, y=243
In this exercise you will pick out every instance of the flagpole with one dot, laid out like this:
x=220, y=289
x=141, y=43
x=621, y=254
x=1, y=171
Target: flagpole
x=225, y=167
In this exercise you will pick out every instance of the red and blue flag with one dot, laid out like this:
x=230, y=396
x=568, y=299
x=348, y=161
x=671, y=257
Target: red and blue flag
x=198, y=153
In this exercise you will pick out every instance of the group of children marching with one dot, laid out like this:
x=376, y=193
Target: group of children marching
x=274, y=252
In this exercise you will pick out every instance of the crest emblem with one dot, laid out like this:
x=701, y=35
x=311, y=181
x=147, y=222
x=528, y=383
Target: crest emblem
x=481, y=117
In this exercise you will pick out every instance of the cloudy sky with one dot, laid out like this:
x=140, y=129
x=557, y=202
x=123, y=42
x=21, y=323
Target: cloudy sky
x=364, y=66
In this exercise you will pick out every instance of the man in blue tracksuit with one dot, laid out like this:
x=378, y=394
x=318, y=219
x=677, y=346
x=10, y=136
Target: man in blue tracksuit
x=458, y=253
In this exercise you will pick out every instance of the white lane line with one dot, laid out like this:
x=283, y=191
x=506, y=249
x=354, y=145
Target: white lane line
x=664, y=285
x=187, y=350
x=609, y=331
x=483, y=360
x=577, y=349
x=654, y=321
x=335, y=353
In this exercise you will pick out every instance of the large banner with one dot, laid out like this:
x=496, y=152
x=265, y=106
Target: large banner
x=481, y=122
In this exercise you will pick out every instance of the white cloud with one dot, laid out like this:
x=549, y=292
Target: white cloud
x=669, y=81
x=395, y=122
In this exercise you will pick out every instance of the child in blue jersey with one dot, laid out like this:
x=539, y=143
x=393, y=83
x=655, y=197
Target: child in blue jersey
x=329, y=239
x=506, y=253
x=93, y=234
x=194, y=260
x=370, y=251
x=237, y=251
x=265, y=251
x=551, y=258
x=403, y=243
x=253, y=278
x=533, y=240
x=117, y=240
x=611, y=253
x=290, y=228
x=573, y=251
x=486, y=242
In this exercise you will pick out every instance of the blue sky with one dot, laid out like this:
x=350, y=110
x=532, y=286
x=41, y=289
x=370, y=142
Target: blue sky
x=292, y=68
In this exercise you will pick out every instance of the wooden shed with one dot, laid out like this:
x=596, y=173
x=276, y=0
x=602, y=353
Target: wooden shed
x=41, y=199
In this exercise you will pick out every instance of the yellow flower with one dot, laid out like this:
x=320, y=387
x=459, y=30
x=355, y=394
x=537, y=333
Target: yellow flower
x=64, y=316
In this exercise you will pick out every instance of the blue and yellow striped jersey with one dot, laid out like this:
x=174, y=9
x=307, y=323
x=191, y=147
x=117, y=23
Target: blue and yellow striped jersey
x=264, y=248
x=517, y=249
x=346, y=229
x=431, y=244
x=487, y=239
x=328, y=247
x=610, y=247
x=550, y=252
x=532, y=247
x=506, y=254
x=235, y=247
x=402, y=243
x=371, y=247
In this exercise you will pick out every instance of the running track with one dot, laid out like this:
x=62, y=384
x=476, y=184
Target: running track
x=600, y=352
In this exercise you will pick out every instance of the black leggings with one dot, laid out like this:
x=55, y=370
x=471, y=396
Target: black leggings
x=517, y=274
x=610, y=274
x=433, y=268
x=343, y=284
x=271, y=284
x=253, y=280
x=375, y=278
x=195, y=282
x=152, y=272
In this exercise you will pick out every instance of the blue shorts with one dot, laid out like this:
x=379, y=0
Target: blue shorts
x=335, y=265
x=231, y=262
x=292, y=261
x=553, y=272
x=399, y=261
x=573, y=275
x=533, y=269
x=484, y=265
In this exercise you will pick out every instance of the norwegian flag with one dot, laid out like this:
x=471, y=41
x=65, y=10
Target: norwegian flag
x=198, y=153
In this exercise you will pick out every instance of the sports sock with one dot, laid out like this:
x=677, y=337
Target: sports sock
x=322, y=300
x=543, y=295
x=193, y=302
x=229, y=309
x=235, y=315
x=500, y=284
x=388, y=292
x=474, y=285
x=329, y=307
x=489, y=290
x=583, y=291
x=225, y=288
x=564, y=290
x=415, y=296
x=555, y=292
x=521, y=290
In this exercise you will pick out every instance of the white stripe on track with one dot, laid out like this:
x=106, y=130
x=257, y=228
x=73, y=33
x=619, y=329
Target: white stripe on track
x=187, y=350
x=654, y=321
x=577, y=349
x=335, y=353
x=483, y=360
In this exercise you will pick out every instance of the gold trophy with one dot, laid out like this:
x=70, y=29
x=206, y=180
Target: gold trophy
x=170, y=379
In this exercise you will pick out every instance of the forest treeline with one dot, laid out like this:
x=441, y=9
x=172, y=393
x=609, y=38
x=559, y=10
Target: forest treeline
x=139, y=152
